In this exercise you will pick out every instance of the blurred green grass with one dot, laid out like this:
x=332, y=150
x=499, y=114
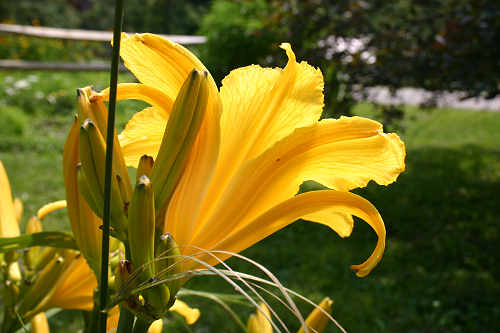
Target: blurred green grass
x=440, y=267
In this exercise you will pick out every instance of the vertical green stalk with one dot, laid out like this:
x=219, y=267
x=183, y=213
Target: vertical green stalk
x=103, y=283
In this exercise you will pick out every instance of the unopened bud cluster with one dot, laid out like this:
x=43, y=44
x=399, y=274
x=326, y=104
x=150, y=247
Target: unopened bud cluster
x=138, y=212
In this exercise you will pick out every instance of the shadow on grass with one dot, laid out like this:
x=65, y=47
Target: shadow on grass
x=442, y=221
x=439, y=271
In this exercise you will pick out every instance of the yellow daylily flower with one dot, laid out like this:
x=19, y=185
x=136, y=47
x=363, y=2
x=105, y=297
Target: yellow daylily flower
x=10, y=214
x=259, y=322
x=9, y=210
x=260, y=139
x=317, y=320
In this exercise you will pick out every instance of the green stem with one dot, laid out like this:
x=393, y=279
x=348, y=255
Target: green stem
x=126, y=321
x=141, y=325
x=103, y=287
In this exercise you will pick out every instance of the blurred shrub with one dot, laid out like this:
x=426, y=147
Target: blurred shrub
x=238, y=34
x=39, y=49
x=435, y=45
x=13, y=121
x=158, y=16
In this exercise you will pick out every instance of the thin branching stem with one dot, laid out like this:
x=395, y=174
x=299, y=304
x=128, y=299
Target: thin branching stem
x=103, y=287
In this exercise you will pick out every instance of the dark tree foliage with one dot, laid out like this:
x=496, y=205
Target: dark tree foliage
x=432, y=44
x=158, y=16
x=437, y=45
x=238, y=33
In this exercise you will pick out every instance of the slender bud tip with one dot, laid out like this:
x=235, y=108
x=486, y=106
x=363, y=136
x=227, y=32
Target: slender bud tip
x=87, y=124
x=144, y=181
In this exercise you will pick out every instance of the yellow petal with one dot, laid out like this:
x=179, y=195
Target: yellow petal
x=143, y=134
x=158, y=62
x=258, y=323
x=18, y=206
x=262, y=106
x=9, y=227
x=343, y=222
x=156, y=326
x=50, y=207
x=138, y=91
x=39, y=323
x=190, y=314
x=84, y=223
x=317, y=320
x=144, y=131
x=340, y=154
x=113, y=318
x=301, y=205
x=76, y=289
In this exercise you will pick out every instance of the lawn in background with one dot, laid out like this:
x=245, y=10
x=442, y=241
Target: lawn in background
x=438, y=272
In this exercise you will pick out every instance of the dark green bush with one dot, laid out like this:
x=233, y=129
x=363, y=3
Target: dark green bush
x=237, y=34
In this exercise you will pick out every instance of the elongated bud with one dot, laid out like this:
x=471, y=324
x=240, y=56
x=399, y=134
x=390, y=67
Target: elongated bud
x=123, y=271
x=33, y=253
x=43, y=286
x=145, y=166
x=317, y=320
x=168, y=262
x=39, y=323
x=93, y=158
x=11, y=293
x=93, y=198
x=46, y=255
x=90, y=106
x=84, y=222
x=141, y=240
x=182, y=128
x=142, y=227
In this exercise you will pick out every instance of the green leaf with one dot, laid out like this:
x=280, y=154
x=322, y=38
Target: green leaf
x=47, y=238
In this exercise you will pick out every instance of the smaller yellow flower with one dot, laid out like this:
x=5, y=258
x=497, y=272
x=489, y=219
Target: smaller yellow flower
x=9, y=226
x=259, y=322
x=191, y=315
x=39, y=323
x=64, y=281
x=316, y=321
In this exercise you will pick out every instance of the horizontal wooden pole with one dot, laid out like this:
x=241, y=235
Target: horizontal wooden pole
x=55, y=66
x=88, y=35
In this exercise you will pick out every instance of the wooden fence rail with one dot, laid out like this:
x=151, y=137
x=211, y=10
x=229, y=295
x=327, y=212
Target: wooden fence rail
x=72, y=34
x=89, y=35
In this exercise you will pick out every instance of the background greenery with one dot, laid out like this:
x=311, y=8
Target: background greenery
x=439, y=271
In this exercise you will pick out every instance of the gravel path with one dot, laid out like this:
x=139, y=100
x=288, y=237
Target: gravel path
x=414, y=96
